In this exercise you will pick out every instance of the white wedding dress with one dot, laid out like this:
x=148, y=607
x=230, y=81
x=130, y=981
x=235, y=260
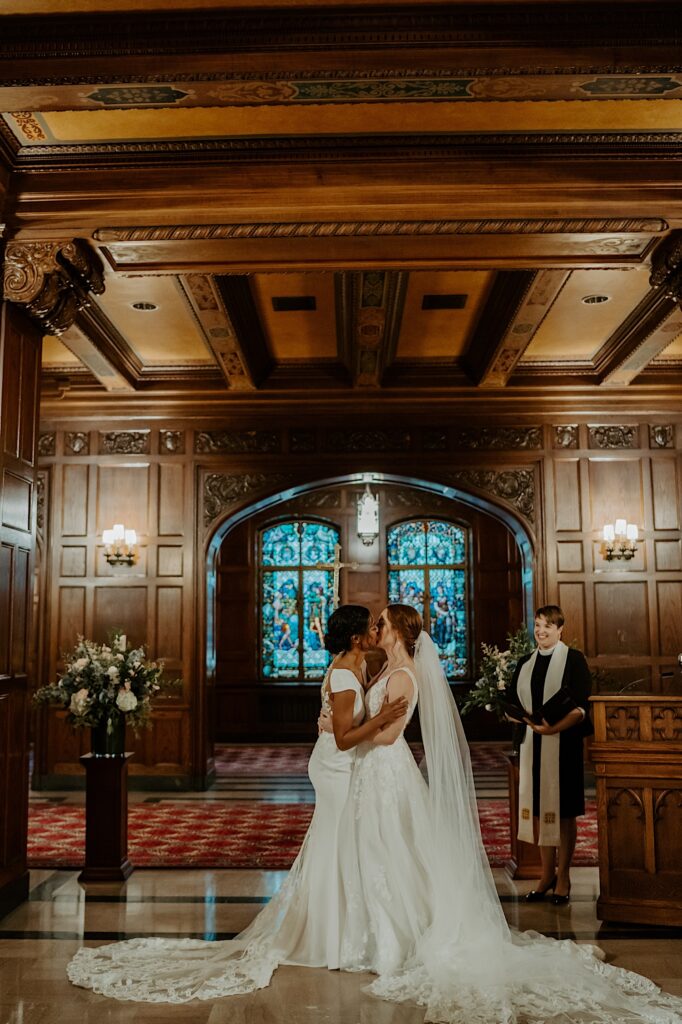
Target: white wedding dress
x=300, y=925
x=397, y=883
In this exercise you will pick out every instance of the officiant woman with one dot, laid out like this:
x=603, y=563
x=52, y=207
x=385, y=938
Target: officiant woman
x=553, y=685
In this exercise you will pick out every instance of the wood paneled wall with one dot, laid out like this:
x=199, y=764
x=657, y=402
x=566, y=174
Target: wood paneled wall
x=19, y=368
x=97, y=478
x=177, y=482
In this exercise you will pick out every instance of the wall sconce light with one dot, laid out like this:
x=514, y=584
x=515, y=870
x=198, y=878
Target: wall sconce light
x=619, y=540
x=120, y=545
x=368, y=516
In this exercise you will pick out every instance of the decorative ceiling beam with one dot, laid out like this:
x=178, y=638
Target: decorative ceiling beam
x=91, y=357
x=52, y=281
x=651, y=326
x=518, y=303
x=369, y=311
x=93, y=322
x=207, y=306
x=246, y=344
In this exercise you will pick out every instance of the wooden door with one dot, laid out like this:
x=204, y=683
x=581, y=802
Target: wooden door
x=20, y=346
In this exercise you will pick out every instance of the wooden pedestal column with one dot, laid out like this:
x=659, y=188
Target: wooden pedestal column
x=637, y=755
x=524, y=861
x=106, y=819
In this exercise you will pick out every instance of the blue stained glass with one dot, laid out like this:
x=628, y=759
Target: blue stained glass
x=406, y=586
x=447, y=613
x=407, y=544
x=317, y=607
x=424, y=558
x=445, y=544
x=318, y=543
x=280, y=625
x=281, y=545
x=296, y=602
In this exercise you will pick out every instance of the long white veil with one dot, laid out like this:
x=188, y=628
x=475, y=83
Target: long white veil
x=469, y=967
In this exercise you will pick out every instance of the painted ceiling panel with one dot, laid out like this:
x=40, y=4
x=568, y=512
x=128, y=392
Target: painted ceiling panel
x=91, y=126
x=297, y=334
x=440, y=333
x=575, y=330
x=168, y=335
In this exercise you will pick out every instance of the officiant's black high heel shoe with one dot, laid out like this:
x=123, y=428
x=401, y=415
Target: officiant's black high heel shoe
x=558, y=900
x=535, y=895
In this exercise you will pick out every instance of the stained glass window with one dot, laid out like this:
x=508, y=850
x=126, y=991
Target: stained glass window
x=296, y=598
x=427, y=568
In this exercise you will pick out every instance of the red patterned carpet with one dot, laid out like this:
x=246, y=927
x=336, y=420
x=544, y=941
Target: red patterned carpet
x=293, y=759
x=194, y=833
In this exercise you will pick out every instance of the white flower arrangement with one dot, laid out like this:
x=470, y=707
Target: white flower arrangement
x=105, y=684
x=497, y=671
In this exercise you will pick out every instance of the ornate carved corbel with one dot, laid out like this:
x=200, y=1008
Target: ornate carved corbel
x=52, y=280
x=666, y=266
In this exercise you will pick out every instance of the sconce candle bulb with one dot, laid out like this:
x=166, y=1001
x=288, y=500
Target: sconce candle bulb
x=120, y=545
x=619, y=540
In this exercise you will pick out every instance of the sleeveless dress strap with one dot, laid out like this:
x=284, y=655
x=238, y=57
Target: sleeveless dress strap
x=410, y=673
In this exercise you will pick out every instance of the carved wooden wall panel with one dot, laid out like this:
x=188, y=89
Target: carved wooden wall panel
x=563, y=491
x=19, y=368
x=615, y=488
x=622, y=618
x=665, y=488
x=152, y=601
x=667, y=555
x=567, y=495
x=74, y=509
x=572, y=602
x=669, y=595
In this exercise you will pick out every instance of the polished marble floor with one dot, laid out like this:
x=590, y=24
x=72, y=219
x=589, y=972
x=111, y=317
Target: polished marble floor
x=39, y=937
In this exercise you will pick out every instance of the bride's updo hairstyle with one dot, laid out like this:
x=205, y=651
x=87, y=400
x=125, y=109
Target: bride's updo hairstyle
x=407, y=622
x=346, y=622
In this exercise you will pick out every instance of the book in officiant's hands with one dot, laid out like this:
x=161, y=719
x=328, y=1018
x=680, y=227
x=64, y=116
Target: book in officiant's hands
x=556, y=708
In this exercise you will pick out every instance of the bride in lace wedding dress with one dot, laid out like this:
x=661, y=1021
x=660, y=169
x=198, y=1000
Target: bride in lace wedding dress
x=420, y=908
x=403, y=889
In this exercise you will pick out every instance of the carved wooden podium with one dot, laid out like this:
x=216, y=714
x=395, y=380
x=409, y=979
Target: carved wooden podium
x=637, y=754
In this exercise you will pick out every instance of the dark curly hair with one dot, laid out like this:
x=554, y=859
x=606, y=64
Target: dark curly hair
x=347, y=621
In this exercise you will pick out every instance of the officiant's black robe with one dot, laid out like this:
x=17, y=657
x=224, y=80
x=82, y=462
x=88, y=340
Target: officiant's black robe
x=578, y=681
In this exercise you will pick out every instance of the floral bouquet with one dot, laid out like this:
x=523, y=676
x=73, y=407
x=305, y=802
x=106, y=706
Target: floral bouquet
x=497, y=670
x=107, y=685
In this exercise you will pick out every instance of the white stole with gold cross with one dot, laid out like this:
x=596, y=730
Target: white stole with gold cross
x=549, y=765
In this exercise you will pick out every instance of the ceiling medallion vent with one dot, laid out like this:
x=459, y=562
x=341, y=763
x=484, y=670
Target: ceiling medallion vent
x=145, y=307
x=293, y=303
x=594, y=300
x=444, y=301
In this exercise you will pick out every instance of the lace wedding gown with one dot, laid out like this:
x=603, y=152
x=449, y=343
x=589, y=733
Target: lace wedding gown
x=413, y=900
x=419, y=903
x=300, y=925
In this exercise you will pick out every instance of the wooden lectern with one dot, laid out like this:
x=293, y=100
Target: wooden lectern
x=637, y=755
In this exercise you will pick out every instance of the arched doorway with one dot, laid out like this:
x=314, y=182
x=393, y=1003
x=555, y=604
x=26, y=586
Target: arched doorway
x=445, y=494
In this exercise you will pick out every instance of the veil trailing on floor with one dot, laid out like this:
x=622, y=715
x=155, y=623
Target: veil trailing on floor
x=469, y=967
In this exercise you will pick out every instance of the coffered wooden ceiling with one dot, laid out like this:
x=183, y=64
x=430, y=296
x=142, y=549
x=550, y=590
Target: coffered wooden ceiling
x=462, y=198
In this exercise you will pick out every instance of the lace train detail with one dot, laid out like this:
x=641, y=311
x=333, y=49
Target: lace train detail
x=172, y=971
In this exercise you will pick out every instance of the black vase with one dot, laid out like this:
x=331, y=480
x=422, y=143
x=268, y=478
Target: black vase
x=109, y=744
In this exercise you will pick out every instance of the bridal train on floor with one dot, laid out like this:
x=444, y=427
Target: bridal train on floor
x=392, y=878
